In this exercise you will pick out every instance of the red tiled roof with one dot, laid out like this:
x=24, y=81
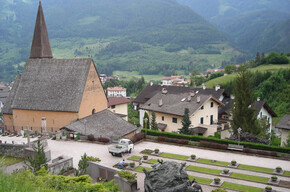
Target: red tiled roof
x=116, y=89
x=118, y=100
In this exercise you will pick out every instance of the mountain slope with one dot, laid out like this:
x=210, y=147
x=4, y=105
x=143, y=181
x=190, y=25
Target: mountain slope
x=149, y=36
x=249, y=23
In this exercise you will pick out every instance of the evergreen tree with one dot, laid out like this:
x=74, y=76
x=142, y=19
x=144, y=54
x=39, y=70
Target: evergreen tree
x=257, y=58
x=146, y=125
x=153, y=121
x=37, y=160
x=186, y=123
x=243, y=115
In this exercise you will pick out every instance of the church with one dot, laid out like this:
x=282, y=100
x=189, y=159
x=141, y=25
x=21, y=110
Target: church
x=62, y=91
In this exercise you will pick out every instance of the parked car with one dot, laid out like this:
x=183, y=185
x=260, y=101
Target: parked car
x=123, y=146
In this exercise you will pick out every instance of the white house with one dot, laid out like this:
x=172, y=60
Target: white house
x=169, y=109
x=119, y=106
x=116, y=92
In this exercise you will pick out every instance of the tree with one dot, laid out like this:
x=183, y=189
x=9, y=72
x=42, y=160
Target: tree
x=146, y=125
x=186, y=123
x=243, y=115
x=37, y=160
x=153, y=121
x=258, y=58
x=83, y=165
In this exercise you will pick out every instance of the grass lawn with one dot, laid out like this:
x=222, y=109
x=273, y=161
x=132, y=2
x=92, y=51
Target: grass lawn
x=140, y=168
x=152, y=161
x=208, y=161
x=286, y=173
x=201, y=180
x=174, y=156
x=135, y=158
x=239, y=187
x=5, y=161
x=254, y=168
x=249, y=177
x=204, y=170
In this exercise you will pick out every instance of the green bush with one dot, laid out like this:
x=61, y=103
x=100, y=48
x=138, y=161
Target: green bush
x=222, y=141
x=129, y=176
x=94, y=159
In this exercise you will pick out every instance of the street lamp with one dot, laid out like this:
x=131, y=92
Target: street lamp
x=146, y=120
x=239, y=133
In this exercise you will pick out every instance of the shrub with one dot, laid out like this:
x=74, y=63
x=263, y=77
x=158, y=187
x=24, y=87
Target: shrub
x=172, y=140
x=103, y=139
x=274, y=178
x=145, y=157
x=129, y=176
x=226, y=171
x=268, y=188
x=193, y=156
x=233, y=162
x=212, y=145
x=132, y=164
x=156, y=150
x=278, y=169
x=221, y=141
x=217, y=180
x=138, y=137
x=91, y=137
x=94, y=159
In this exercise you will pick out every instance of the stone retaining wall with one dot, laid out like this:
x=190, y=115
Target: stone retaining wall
x=59, y=163
x=13, y=150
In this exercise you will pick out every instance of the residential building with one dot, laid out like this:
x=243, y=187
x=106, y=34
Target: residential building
x=116, y=92
x=103, y=78
x=58, y=90
x=151, y=89
x=211, y=71
x=173, y=80
x=262, y=109
x=119, y=106
x=284, y=126
x=169, y=109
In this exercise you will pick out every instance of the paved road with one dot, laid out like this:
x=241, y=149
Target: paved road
x=77, y=149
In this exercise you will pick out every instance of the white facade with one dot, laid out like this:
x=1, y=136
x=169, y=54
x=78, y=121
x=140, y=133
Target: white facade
x=113, y=92
x=1, y=106
x=263, y=113
x=166, y=82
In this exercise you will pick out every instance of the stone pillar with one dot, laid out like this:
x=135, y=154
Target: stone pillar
x=28, y=136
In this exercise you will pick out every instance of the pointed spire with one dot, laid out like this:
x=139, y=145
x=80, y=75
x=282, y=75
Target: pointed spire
x=40, y=47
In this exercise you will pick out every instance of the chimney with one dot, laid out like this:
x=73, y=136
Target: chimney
x=164, y=90
x=198, y=99
x=258, y=99
x=189, y=98
x=232, y=97
x=151, y=83
x=160, y=103
x=192, y=94
x=203, y=86
x=217, y=87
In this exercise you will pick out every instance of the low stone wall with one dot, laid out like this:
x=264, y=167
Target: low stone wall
x=13, y=150
x=96, y=170
x=59, y=163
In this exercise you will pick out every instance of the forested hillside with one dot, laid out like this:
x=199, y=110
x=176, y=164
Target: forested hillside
x=148, y=36
x=254, y=25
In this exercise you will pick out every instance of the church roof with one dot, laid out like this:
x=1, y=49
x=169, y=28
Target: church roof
x=52, y=84
x=7, y=105
x=102, y=124
x=40, y=47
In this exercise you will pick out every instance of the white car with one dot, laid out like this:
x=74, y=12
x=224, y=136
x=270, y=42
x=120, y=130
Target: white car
x=123, y=146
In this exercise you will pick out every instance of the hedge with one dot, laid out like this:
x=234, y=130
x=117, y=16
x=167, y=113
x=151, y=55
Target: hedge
x=221, y=141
